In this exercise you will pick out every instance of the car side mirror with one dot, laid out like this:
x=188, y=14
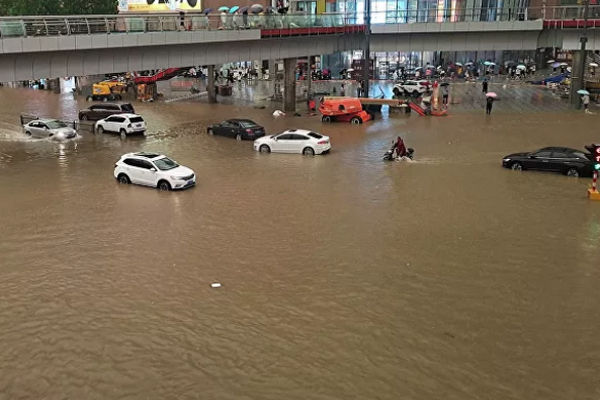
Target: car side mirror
x=153, y=169
x=275, y=139
x=531, y=156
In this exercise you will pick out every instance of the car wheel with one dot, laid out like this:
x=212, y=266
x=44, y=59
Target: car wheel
x=326, y=118
x=123, y=132
x=209, y=131
x=100, y=129
x=118, y=97
x=27, y=133
x=164, y=185
x=308, y=151
x=84, y=117
x=238, y=137
x=124, y=179
x=264, y=149
x=516, y=166
x=356, y=120
x=573, y=172
x=105, y=99
x=89, y=98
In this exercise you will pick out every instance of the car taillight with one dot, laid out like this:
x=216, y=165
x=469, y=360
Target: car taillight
x=322, y=142
x=424, y=83
x=249, y=131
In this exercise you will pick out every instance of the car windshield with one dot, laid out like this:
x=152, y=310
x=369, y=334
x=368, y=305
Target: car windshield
x=248, y=124
x=136, y=119
x=127, y=107
x=165, y=164
x=56, y=124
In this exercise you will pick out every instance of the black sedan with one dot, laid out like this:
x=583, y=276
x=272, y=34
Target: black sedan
x=554, y=159
x=241, y=129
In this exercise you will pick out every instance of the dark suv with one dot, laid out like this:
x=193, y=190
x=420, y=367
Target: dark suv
x=100, y=111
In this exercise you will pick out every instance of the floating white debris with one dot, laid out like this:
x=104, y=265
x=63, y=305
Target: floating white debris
x=215, y=285
x=278, y=113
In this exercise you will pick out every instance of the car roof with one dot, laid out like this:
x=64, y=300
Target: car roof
x=241, y=120
x=300, y=131
x=146, y=155
x=561, y=149
x=128, y=115
x=44, y=120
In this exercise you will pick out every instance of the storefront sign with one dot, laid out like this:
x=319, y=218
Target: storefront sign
x=159, y=5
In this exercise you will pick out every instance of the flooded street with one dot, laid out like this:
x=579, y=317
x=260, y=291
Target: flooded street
x=343, y=277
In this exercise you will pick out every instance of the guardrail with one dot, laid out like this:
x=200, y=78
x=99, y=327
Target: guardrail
x=32, y=26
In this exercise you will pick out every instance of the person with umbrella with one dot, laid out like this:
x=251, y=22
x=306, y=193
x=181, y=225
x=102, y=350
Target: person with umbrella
x=585, y=99
x=489, y=102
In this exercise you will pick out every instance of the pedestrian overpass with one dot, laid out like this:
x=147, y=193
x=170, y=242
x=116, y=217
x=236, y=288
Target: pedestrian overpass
x=59, y=46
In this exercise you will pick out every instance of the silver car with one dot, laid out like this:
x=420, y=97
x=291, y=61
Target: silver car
x=49, y=128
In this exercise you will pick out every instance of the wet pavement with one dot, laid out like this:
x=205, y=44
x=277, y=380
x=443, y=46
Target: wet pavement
x=343, y=277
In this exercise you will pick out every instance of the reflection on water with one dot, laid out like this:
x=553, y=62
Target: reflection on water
x=343, y=276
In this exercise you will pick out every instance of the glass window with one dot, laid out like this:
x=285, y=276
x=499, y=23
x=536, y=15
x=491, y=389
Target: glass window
x=542, y=154
x=112, y=107
x=127, y=108
x=136, y=119
x=560, y=155
x=284, y=137
x=248, y=124
x=119, y=119
x=315, y=135
x=165, y=164
x=132, y=162
x=579, y=155
x=56, y=124
x=299, y=137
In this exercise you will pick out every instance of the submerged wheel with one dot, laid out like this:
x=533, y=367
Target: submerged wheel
x=238, y=137
x=164, y=185
x=84, y=117
x=326, y=118
x=27, y=133
x=124, y=179
x=100, y=129
x=264, y=148
x=516, y=166
x=573, y=172
x=209, y=131
x=308, y=151
x=104, y=99
x=89, y=98
x=356, y=120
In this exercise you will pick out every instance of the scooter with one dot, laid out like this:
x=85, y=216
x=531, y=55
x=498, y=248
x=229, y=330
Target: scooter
x=389, y=155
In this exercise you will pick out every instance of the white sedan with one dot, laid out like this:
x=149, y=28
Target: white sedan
x=294, y=141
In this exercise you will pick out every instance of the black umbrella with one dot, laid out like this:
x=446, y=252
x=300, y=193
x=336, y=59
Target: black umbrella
x=207, y=11
x=444, y=84
x=244, y=10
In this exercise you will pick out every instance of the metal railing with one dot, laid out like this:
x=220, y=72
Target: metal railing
x=32, y=26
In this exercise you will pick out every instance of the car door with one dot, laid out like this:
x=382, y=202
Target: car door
x=224, y=129
x=539, y=160
x=117, y=123
x=34, y=129
x=107, y=125
x=298, y=143
x=282, y=144
x=139, y=171
x=560, y=161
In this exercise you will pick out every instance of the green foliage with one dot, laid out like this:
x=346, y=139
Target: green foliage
x=56, y=7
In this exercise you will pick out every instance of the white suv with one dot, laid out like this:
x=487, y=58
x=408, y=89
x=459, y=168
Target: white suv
x=411, y=87
x=125, y=124
x=153, y=169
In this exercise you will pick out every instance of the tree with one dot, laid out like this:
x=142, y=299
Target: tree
x=57, y=7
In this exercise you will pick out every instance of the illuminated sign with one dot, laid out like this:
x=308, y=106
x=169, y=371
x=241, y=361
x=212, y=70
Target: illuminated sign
x=597, y=155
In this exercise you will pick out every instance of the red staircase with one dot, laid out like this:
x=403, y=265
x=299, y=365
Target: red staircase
x=162, y=75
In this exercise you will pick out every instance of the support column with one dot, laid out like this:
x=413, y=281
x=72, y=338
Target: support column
x=289, y=80
x=210, y=84
x=577, y=80
x=311, y=62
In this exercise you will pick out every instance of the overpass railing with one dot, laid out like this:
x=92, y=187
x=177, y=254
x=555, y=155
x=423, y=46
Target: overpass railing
x=32, y=26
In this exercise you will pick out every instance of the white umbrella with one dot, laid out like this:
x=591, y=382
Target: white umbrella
x=350, y=70
x=568, y=69
x=593, y=65
x=521, y=66
x=458, y=64
x=489, y=63
x=469, y=63
x=550, y=62
x=563, y=64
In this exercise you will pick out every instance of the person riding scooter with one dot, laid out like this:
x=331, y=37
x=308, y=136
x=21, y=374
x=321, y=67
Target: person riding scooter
x=400, y=148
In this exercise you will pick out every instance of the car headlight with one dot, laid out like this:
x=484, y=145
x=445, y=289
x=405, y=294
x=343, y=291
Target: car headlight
x=177, y=178
x=506, y=159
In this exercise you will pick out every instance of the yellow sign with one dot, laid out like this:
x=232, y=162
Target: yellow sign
x=159, y=5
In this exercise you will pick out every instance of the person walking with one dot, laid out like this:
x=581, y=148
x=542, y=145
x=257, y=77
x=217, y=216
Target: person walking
x=445, y=94
x=485, y=86
x=489, y=102
x=585, y=99
x=343, y=90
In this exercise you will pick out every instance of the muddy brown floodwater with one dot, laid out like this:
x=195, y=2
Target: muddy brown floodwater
x=343, y=277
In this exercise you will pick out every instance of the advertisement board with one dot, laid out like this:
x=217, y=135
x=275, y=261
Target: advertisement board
x=159, y=5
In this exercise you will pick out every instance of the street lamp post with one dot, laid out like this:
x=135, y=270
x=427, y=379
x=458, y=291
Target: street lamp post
x=367, y=48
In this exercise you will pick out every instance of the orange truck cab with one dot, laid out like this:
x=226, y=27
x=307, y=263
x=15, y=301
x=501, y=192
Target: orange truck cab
x=343, y=109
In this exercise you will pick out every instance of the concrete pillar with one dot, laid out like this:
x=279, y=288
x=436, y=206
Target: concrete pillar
x=289, y=80
x=210, y=84
x=577, y=81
